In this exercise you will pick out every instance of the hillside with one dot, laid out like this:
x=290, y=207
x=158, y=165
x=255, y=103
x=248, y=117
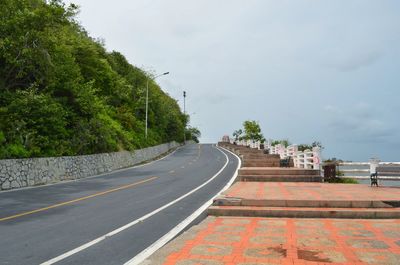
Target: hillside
x=62, y=93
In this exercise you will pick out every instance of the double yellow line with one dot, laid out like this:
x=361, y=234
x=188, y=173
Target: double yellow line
x=77, y=200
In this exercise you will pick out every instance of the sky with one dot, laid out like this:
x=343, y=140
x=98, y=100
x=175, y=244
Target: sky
x=306, y=70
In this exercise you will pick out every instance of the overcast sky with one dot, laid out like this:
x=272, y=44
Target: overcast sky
x=306, y=70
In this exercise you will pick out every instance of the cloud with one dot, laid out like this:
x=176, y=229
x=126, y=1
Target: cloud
x=358, y=123
x=353, y=61
x=215, y=99
x=273, y=61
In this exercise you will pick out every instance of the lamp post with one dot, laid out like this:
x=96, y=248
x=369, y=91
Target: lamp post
x=184, y=112
x=147, y=99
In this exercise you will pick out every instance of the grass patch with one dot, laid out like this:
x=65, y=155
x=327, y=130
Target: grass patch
x=343, y=180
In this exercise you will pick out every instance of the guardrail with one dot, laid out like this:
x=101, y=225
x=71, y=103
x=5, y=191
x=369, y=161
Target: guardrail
x=308, y=159
x=363, y=170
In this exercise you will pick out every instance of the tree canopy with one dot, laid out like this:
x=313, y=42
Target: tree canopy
x=251, y=131
x=63, y=93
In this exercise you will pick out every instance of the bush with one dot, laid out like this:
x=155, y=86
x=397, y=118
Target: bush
x=343, y=180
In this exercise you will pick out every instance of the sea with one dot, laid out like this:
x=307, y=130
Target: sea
x=389, y=183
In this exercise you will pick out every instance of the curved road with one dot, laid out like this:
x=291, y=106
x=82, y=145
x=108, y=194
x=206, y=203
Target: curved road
x=40, y=224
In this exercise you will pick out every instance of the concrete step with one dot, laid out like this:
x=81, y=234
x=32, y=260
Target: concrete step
x=280, y=178
x=261, y=158
x=264, y=156
x=260, y=163
x=252, y=154
x=264, y=171
x=237, y=201
x=263, y=163
x=305, y=212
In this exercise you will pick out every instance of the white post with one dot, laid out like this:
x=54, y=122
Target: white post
x=316, y=157
x=297, y=160
x=373, y=163
x=301, y=160
x=268, y=144
x=281, y=150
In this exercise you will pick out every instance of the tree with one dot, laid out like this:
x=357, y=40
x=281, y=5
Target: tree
x=317, y=144
x=252, y=131
x=303, y=147
x=238, y=134
x=193, y=133
x=284, y=142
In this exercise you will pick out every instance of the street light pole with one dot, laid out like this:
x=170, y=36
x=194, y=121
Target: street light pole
x=147, y=99
x=184, y=112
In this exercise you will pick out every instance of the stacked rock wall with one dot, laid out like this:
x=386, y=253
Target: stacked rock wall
x=18, y=173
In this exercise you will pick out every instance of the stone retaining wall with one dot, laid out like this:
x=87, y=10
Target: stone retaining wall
x=17, y=173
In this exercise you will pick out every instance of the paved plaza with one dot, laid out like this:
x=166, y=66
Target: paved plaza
x=319, y=223
x=312, y=191
x=271, y=241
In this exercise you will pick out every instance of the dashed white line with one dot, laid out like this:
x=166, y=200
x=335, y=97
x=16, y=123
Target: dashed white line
x=122, y=228
x=177, y=229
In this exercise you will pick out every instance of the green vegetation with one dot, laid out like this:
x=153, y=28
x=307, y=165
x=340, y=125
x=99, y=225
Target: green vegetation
x=237, y=134
x=252, y=131
x=339, y=178
x=62, y=93
x=192, y=133
x=284, y=142
x=303, y=147
x=343, y=180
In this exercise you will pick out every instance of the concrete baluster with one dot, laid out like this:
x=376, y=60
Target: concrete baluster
x=316, y=157
x=296, y=159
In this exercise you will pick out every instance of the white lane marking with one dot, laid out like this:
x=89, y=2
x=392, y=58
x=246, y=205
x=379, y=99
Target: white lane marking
x=142, y=256
x=122, y=228
x=90, y=177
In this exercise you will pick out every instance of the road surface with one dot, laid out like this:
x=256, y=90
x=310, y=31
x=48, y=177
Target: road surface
x=44, y=224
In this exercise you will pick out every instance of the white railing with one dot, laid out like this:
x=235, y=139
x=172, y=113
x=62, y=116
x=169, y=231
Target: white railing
x=250, y=143
x=308, y=159
x=363, y=170
x=311, y=159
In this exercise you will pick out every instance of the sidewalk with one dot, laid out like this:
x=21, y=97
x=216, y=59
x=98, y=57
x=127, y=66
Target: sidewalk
x=272, y=241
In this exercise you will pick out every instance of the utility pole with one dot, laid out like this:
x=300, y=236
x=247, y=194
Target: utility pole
x=147, y=99
x=184, y=112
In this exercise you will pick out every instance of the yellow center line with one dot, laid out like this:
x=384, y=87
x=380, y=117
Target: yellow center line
x=78, y=199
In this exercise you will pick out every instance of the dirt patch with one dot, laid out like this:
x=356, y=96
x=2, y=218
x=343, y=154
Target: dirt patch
x=270, y=253
x=311, y=256
x=279, y=250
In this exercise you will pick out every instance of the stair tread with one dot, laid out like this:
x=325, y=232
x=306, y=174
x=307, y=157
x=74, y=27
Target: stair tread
x=279, y=176
x=282, y=168
x=315, y=209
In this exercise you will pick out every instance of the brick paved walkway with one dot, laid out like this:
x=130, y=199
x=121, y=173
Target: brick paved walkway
x=312, y=191
x=270, y=241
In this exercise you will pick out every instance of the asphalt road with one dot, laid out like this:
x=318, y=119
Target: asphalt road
x=39, y=224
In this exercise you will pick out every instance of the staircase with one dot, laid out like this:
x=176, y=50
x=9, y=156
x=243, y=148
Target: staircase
x=276, y=174
x=266, y=190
